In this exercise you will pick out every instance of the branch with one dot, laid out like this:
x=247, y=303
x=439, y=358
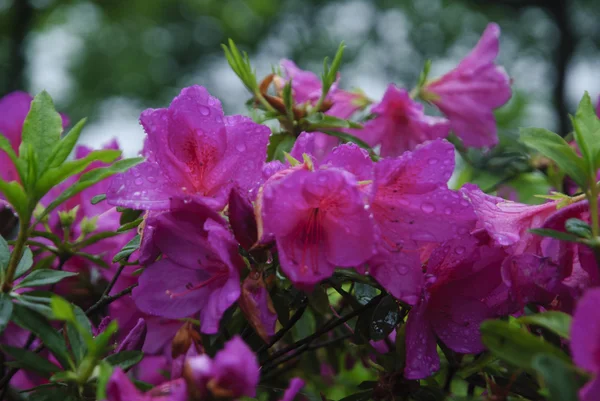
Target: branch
x=107, y=300
x=279, y=335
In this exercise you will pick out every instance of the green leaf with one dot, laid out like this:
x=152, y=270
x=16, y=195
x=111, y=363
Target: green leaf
x=559, y=377
x=90, y=178
x=330, y=71
x=41, y=131
x=25, y=263
x=128, y=249
x=364, y=293
x=557, y=322
x=43, y=277
x=104, y=372
x=56, y=175
x=279, y=144
x=557, y=149
x=319, y=121
x=8, y=149
x=31, y=361
x=15, y=195
x=350, y=138
x=125, y=359
x=98, y=198
x=129, y=215
x=80, y=334
x=587, y=130
x=385, y=318
x=62, y=309
x=515, y=345
x=240, y=64
x=546, y=232
x=4, y=255
x=63, y=149
x=102, y=340
x=34, y=322
x=38, y=304
x=579, y=228
x=6, y=309
x=53, y=394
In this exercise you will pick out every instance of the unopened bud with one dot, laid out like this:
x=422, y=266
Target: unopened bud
x=186, y=337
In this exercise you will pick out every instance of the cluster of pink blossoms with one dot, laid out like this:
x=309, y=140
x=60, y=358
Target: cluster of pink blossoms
x=455, y=257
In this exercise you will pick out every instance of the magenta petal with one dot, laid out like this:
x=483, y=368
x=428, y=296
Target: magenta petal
x=427, y=167
x=591, y=391
x=236, y=368
x=120, y=388
x=142, y=187
x=351, y=158
x=585, y=332
x=468, y=94
x=135, y=338
x=401, y=124
x=293, y=389
x=160, y=332
x=531, y=278
x=175, y=390
x=315, y=144
x=422, y=359
x=456, y=320
x=399, y=273
x=164, y=278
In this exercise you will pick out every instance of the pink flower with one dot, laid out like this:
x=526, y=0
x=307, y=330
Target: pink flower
x=463, y=287
x=400, y=124
x=195, y=151
x=319, y=222
x=468, y=94
x=199, y=270
x=293, y=389
x=585, y=342
x=120, y=388
x=233, y=373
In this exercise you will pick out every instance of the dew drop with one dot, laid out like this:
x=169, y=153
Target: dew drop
x=151, y=179
x=136, y=173
x=427, y=207
x=403, y=269
x=448, y=211
x=240, y=147
x=204, y=110
x=432, y=161
x=460, y=250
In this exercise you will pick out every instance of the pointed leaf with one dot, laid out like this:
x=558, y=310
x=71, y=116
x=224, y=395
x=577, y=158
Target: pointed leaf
x=6, y=309
x=557, y=149
x=31, y=361
x=43, y=277
x=128, y=249
x=558, y=376
x=15, y=195
x=62, y=309
x=63, y=149
x=555, y=321
x=25, y=263
x=125, y=359
x=37, y=324
x=41, y=130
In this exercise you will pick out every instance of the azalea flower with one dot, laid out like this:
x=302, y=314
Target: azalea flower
x=468, y=94
x=120, y=388
x=193, y=151
x=200, y=268
x=400, y=124
x=233, y=373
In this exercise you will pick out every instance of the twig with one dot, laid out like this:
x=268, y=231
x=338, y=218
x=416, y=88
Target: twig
x=106, y=300
x=279, y=335
x=327, y=327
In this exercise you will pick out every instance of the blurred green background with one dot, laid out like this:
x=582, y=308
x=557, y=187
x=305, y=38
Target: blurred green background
x=110, y=59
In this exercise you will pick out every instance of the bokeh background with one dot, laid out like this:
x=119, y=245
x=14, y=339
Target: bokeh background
x=110, y=59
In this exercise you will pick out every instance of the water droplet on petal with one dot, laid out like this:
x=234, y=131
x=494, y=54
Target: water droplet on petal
x=204, y=110
x=403, y=269
x=460, y=250
x=240, y=147
x=151, y=179
x=448, y=211
x=138, y=181
x=427, y=207
x=432, y=161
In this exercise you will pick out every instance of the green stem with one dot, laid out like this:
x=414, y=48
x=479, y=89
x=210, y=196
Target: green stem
x=593, y=201
x=17, y=253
